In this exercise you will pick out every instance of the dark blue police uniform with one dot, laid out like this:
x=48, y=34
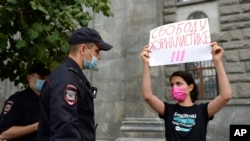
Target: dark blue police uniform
x=67, y=109
x=21, y=109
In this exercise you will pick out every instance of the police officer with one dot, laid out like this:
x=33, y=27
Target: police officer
x=19, y=117
x=67, y=108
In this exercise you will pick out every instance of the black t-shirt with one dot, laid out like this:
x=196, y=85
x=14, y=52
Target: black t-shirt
x=20, y=109
x=186, y=123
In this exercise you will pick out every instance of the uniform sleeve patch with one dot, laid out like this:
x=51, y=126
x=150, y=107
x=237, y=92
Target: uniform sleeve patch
x=70, y=94
x=7, y=107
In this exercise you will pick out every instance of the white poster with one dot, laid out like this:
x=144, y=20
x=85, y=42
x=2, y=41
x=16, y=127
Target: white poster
x=181, y=42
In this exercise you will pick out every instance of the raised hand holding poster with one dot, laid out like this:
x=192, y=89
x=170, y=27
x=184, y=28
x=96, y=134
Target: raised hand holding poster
x=181, y=42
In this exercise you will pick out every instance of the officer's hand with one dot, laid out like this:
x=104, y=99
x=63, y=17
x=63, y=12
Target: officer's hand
x=35, y=126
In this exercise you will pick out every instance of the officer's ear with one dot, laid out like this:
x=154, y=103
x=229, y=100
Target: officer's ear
x=83, y=48
x=28, y=77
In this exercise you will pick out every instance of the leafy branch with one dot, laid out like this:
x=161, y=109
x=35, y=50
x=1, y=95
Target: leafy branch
x=37, y=31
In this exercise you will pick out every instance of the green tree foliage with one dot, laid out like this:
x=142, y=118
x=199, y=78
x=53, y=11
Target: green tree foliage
x=37, y=31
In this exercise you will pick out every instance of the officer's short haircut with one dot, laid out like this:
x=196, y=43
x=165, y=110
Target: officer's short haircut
x=90, y=45
x=73, y=48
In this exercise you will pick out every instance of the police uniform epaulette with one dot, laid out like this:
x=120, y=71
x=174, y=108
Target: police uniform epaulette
x=72, y=69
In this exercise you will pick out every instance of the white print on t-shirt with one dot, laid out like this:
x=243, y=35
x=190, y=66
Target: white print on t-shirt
x=183, y=122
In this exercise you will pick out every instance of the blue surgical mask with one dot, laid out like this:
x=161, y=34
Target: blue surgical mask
x=91, y=65
x=39, y=84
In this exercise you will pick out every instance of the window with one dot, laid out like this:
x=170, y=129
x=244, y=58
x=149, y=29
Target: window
x=203, y=72
x=197, y=15
x=205, y=77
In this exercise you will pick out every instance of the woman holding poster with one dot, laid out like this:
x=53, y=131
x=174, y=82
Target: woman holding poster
x=185, y=120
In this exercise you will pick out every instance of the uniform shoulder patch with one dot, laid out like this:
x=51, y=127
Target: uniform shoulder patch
x=7, y=107
x=70, y=94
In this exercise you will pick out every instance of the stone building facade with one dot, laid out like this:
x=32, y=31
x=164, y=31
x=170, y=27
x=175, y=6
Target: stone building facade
x=120, y=111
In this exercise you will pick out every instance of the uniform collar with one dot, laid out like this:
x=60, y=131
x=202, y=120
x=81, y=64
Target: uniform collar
x=29, y=91
x=73, y=65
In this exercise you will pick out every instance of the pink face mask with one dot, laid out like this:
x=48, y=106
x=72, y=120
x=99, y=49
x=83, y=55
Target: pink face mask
x=178, y=93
